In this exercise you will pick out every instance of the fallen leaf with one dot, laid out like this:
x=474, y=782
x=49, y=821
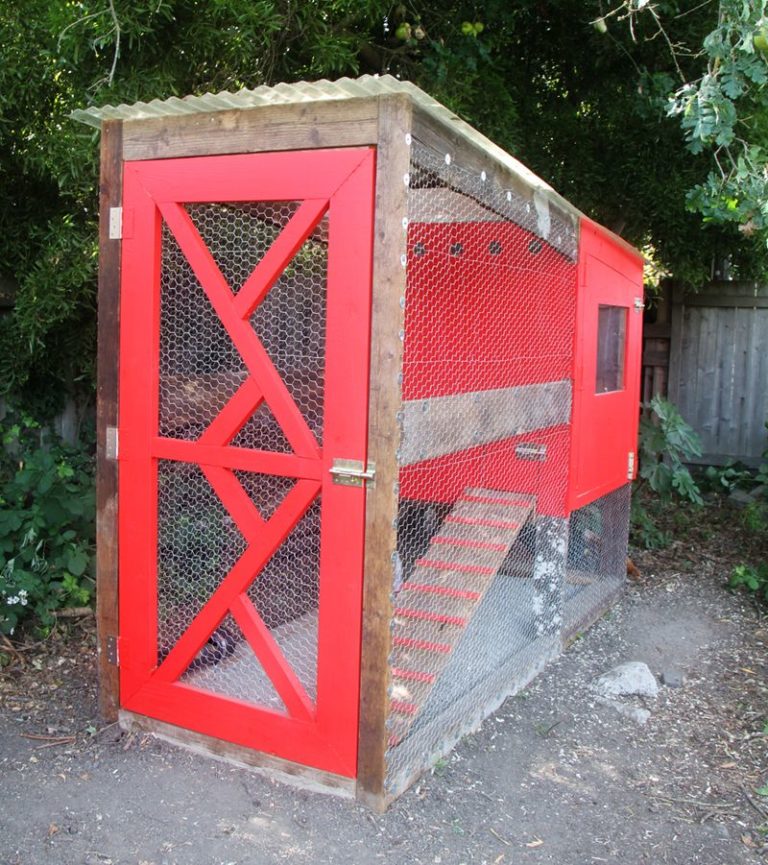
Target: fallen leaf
x=535, y=843
x=52, y=830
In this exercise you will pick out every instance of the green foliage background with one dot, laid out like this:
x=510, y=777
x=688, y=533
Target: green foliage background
x=577, y=89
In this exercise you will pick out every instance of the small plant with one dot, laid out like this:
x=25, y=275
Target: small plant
x=725, y=479
x=666, y=441
x=753, y=579
x=47, y=510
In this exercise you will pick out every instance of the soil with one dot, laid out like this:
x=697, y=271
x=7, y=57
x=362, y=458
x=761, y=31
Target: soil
x=555, y=776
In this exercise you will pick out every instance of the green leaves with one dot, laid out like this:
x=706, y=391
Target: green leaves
x=46, y=525
x=666, y=441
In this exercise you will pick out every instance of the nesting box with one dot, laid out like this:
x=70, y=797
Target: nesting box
x=368, y=399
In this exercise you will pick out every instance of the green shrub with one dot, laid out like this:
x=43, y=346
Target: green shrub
x=47, y=524
x=753, y=579
x=665, y=442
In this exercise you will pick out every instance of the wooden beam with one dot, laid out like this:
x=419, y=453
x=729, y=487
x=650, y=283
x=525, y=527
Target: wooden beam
x=110, y=195
x=389, y=283
x=430, y=427
x=301, y=126
x=296, y=774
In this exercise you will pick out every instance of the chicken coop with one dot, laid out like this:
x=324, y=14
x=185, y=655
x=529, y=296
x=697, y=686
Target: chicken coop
x=368, y=402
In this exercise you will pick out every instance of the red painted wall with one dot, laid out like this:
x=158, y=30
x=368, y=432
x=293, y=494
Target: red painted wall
x=478, y=320
x=604, y=424
x=489, y=305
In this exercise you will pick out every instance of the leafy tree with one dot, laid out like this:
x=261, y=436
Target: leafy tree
x=578, y=90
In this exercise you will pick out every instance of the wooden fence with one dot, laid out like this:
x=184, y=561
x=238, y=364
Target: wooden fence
x=718, y=368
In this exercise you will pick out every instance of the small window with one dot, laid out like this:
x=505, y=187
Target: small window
x=611, y=335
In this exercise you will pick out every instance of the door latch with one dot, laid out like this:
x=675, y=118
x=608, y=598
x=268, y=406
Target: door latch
x=352, y=473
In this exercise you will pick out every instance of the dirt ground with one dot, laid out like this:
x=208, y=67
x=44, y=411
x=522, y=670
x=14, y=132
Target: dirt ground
x=555, y=776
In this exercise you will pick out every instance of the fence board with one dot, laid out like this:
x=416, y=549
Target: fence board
x=719, y=369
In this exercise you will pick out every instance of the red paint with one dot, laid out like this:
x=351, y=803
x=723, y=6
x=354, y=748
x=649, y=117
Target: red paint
x=339, y=183
x=403, y=708
x=604, y=424
x=478, y=521
x=445, y=590
x=469, y=542
x=454, y=566
x=414, y=675
x=423, y=645
x=428, y=616
x=478, y=320
x=497, y=466
x=488, y=500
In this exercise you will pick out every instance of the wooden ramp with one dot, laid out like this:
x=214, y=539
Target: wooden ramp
x=435, y=606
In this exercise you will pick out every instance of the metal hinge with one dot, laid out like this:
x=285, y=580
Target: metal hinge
x=113, y=651
x=115, y=223
x=112, y=443
x=630, y=465
x=352, y=473
x=639, y=304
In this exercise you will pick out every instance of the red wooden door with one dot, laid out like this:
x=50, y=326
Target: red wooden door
x=607, y=374
x=245, y=320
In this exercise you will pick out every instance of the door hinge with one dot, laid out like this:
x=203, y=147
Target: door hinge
x=630, y=465
x=112, y=443
x=639, y=304
x=352, y=473
x=113, y=650
x=115, y=223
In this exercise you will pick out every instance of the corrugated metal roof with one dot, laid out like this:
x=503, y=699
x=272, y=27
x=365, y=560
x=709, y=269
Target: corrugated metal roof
x=311, y=91
x=318, y=91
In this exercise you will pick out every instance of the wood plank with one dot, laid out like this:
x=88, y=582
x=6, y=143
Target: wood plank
x=286, y=771
x=442, y=595
x=676, y=336
x=430, y=429
x=301, y=126
x=389, y=281
x=110, y=195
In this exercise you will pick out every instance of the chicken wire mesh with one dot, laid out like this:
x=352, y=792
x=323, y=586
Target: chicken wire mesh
x=481, y=559
x=597, y=558
x=200, y=371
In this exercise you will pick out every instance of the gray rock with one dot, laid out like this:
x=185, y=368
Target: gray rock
x=634, y=713
x=672, y=678
x=740, y=498
x=627, y=680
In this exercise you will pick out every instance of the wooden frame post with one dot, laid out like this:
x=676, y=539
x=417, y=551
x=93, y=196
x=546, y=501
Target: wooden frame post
x=110, y=193
x=389, y=282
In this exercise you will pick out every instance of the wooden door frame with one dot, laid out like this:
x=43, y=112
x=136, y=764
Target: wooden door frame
x=386, y=122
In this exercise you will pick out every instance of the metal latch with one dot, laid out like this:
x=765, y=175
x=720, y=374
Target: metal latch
x=113, y=655
x=639, y=304
x=352, y=473
x=531, y=451
x=630, y=465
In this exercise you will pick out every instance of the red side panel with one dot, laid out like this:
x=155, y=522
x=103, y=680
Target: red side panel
x=490, y=306
x=500, y=314
x=605, y=406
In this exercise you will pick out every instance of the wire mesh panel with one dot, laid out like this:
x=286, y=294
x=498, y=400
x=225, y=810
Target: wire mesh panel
x=201, y=370
x=597, y=558
x=487, y=388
